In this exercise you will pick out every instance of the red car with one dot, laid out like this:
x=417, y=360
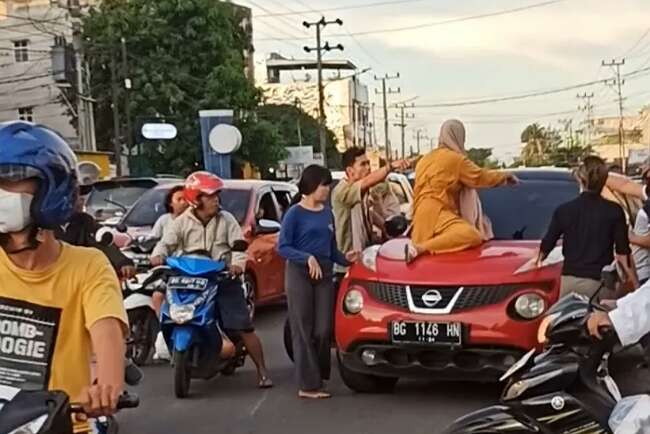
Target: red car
x=257, y=205
x=462, y=316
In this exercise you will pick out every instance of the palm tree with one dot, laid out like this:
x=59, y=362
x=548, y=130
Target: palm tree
x=535, y=138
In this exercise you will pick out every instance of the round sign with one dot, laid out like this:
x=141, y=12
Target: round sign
x=225, y=139
x=159, y=131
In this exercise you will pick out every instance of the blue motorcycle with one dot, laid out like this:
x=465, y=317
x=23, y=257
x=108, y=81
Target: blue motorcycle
x=190, y=322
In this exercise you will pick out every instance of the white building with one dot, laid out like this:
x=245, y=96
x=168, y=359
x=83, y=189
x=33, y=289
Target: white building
x=346, y=98
x=605, y=135
x=28, y=29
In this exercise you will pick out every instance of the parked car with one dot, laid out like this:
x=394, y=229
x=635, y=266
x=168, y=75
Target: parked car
x=257, y=205
x=109, y=200
x=465, y=316
x=399, y=185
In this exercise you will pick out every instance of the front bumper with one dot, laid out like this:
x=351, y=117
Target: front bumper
x=440, y=363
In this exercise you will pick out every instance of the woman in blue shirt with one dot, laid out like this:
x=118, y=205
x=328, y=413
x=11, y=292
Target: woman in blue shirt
x=308, y=243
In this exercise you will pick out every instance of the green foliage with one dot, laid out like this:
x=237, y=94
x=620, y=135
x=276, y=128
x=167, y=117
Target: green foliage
x=545, y=147
x=183, y=56
x=482, y=157
x=289, y=120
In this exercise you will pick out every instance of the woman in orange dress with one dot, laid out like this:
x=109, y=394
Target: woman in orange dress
x=447, y=214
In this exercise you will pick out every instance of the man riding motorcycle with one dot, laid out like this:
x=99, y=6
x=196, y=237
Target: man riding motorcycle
x=58, y=303
x=206, y=227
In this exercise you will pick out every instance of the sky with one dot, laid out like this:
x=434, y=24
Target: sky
x=554, y=45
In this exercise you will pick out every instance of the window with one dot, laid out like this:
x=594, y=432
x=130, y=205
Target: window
x=26, y=114
x=266, y=209
x=284, y=199
x=399, y=192
x=21, y=51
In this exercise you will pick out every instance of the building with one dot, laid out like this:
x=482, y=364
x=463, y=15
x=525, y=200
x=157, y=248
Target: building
x=346, y=98
x=29, y=29
x=605, y=140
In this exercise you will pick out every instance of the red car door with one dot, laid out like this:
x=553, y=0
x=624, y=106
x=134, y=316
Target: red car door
x=268, y=266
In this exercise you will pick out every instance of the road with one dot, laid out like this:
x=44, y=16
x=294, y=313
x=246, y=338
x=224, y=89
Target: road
x=232, y=405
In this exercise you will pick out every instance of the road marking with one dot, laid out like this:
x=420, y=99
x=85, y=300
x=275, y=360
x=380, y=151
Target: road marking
x=259, y=403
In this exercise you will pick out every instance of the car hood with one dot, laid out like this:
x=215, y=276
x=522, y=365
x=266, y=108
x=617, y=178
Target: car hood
x=493, y=263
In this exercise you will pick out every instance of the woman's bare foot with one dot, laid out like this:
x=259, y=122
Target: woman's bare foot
x=315, y=394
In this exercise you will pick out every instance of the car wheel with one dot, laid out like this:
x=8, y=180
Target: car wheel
x=143, y=326
x=288, y=340
x=182, y=374
x=364, y=383
x=250, y=292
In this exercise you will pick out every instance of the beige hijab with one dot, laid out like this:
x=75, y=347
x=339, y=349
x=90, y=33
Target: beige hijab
x=452, y=136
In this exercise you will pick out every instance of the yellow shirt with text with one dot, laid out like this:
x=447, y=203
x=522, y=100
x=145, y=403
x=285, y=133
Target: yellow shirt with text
x=46, y=315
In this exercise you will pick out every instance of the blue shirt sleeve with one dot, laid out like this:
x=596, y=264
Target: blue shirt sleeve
x=286, y=245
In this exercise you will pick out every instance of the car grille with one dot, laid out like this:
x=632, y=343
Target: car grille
x=471, y=297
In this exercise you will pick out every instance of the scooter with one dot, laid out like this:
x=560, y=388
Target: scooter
x=50, y=412
x=565, y=389
x=394, y=227
x=138, y=301
x=190, y=321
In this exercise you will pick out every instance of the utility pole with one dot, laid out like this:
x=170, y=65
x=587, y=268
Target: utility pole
x=618, y=82
x=117, y=141
x=373, y=131
x=320, y=24
x=79, y=84
x=588, y=108
x=127, y=91
x=298, y=104
x=385, y=91
x=403, y=116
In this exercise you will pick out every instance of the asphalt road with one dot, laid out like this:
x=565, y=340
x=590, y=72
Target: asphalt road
x=228, y=405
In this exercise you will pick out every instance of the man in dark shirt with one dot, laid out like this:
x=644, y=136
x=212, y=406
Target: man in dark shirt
x=592, y=229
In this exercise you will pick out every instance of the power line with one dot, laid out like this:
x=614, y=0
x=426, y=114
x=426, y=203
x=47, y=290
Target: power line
x=449, y=21
x=636, y=44
x=342, y=8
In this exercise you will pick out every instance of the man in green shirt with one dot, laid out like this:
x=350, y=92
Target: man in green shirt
x=351, y=200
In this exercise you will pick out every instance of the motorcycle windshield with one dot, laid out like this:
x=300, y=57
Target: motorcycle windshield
x=194, y=266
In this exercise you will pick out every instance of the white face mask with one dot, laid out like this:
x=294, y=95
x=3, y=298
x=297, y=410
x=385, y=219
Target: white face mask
x=15, y=212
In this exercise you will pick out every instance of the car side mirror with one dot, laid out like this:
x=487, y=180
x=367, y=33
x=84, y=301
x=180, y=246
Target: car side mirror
x=121, y=228
x=265, y=227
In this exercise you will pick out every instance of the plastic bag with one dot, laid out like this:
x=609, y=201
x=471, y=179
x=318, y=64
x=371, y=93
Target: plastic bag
x=631, y=415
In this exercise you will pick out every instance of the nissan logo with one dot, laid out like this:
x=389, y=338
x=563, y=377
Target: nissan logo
x=431, y=298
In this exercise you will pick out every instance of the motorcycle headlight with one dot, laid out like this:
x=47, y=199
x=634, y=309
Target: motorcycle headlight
x=369, y=257
x=530, y=306
x=181, y=313
x=353, y=301
x=31, y=427
x=543, y=328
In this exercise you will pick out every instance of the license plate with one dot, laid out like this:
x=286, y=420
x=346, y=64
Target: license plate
x=518, y=365
x=191, y=283
x=424, y=332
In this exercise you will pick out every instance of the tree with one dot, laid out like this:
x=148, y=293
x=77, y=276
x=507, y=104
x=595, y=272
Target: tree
x=534, y=136
x=482, y=157
x=289, y=120
x=184, y=56
x=545, y=147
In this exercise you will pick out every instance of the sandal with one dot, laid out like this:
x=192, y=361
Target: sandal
x=318, y=394
x=265, y=383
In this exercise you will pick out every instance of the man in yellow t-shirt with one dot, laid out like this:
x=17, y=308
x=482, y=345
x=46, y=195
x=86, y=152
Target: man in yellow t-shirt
x=58, y=303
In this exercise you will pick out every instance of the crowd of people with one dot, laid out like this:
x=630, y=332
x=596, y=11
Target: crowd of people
x=71, y=287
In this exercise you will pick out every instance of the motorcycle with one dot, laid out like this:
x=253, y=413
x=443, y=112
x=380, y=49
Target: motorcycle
x=138, y=301
x=50, y=412
x=394, y=227
x=565, y=389
x=190, y=320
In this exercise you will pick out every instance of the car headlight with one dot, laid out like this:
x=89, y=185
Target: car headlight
x=181, y=313
x=31, y=427
x=369, y=257
x=353, y=301
x=530, y=306
x=543, y=328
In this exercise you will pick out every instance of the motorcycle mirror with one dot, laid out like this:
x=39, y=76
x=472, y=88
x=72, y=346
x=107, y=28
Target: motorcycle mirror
x=121, y=227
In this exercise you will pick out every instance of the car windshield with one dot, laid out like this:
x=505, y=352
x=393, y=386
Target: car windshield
x=524, y=212
x=152, y=205
x=105, y=196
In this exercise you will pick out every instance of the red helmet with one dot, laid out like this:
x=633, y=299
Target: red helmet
x=199, y=183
